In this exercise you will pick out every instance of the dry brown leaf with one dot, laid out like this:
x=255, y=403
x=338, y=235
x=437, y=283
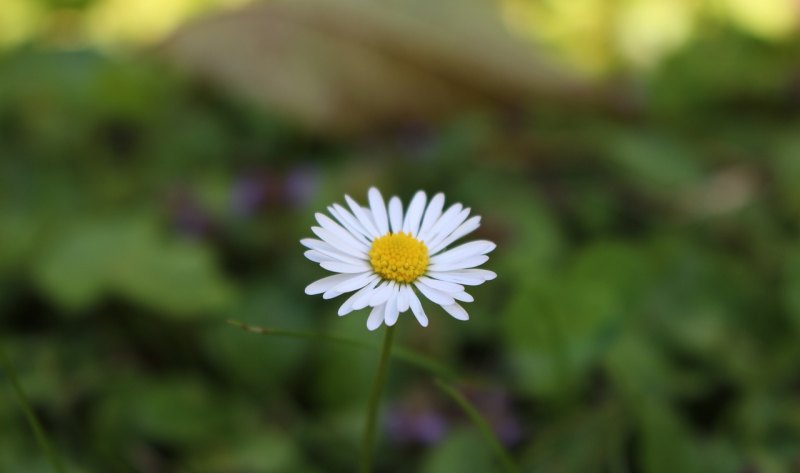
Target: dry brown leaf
x=350, y=65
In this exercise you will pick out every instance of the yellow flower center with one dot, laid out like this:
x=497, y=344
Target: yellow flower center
x=399, y=257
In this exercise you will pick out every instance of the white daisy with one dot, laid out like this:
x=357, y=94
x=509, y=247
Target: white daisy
x=386, y=257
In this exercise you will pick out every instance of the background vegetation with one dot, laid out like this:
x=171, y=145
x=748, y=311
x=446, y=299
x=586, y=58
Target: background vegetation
x=646, y=314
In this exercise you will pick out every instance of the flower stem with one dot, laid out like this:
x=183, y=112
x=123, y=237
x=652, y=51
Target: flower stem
x=374, y=401
x=36, y=426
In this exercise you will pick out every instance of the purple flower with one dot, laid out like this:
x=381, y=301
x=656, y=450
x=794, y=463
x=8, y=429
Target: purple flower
x=421, y=425
x=248, y=194
x=495, y=404
x=188, y=215
x=419, y=419
x=254, y=191
x=300, y=185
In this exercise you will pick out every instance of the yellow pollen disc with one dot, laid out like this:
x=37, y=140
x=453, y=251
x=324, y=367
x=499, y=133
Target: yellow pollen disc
x=399, y=257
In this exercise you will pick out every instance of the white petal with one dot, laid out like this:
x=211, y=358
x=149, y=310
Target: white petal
x=431, y=232
x=432, y=213
x=330, y=294
x=462, y=296
x=363, y=218
x=414, y=214
x=361, y=301
x=446, y=231
x=337, y=243
x=402, y=298
x=381, y=294
x=434, y=295
x=340, y=232
x=455, y=277
x=324, y=284
x=375, y=318
x=349, y=304
x=312, y=243
x=468, y=277
x=316, y=256
x=467, y=227
x=483, y=273
x=341, y=267
x=327, y=249
x=332, y=255
x=396, y=214
x=443, y=222
x=391, y=314
x=456, y=265
x=349, y=222
x=443, y=286
x=456, y=311
x=378, y=208
x=473, y=248
x=355, y=283
x=416, y=308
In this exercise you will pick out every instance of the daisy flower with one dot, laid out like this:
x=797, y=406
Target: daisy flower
x=387, y=256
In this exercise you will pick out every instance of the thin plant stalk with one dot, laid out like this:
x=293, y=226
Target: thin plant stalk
x=33, y=421
x=502, y=454
x=374, y=402
x=402, y=354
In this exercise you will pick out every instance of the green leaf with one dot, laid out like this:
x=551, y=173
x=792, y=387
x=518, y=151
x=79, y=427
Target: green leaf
x=558, y=328
x=655, y=163
x=177, y=411
x=667, y=445
x=462, y=450
x=588, y=441
x=267, y=451
x=17, y=232
x=128, y=258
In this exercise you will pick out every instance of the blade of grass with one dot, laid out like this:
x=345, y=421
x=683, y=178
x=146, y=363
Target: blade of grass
x=33, y=421
x=402, y=354
x=481, y=424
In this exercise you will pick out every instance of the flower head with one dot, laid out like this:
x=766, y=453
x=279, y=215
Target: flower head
x=386, y=256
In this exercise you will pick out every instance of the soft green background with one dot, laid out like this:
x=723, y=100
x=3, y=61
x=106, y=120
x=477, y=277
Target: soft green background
x=645, y=318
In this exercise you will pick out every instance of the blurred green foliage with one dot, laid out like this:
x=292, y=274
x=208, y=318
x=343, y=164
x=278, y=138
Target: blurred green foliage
x=645, y=317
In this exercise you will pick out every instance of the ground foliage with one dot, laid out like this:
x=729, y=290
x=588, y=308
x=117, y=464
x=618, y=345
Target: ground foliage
x=645, y=317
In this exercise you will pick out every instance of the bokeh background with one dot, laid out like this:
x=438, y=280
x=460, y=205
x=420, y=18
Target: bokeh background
x=637, y=162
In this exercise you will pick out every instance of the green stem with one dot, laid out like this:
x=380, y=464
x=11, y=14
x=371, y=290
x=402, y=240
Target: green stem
x=36, y=426
x=400, y=353
x=483, y=426
x=374, y=402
